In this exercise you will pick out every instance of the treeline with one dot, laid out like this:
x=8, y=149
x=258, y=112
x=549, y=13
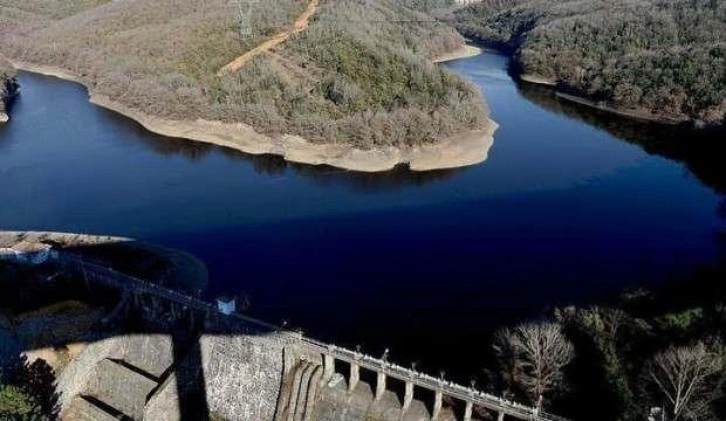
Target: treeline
x=644, y=356
x=664, y=58
x=358, y=75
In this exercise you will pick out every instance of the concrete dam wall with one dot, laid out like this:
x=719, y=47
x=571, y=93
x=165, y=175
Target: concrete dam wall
x=244, y=378
x=161, y=355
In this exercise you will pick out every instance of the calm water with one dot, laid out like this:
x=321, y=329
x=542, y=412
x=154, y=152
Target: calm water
x=568, y=208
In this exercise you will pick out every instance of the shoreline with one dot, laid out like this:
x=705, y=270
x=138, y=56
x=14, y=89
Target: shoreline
x=585, y=102
x=537, y=80
x=463, y=149
x=633, y=114
x=465, y=51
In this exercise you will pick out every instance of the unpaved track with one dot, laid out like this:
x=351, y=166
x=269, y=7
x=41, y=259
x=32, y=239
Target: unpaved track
x=301, y=23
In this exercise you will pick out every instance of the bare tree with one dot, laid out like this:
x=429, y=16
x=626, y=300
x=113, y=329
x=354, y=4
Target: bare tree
x=535, y=354
x=612, y=319
x=683, y=376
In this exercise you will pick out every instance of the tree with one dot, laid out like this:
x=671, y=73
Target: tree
x=600, y=372
x=664, y=58
x=534, y=354
x=15, y=404
x=27, y=391
x=683, y=375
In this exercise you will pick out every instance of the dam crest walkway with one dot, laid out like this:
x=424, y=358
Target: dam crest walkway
x=179, y=302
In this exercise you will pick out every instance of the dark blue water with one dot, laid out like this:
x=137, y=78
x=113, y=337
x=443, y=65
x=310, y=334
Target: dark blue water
x=568, y=208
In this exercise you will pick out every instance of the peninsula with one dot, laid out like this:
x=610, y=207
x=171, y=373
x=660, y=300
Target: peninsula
x=343, y=83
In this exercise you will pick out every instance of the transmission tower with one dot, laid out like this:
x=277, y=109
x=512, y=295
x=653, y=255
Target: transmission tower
x=244, y=14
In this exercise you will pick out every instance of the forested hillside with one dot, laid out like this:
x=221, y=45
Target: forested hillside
x=30, y=14
x=662, y=58
x=356, y=75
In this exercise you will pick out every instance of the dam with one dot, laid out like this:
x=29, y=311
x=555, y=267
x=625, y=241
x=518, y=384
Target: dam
x=188, y=359
x=311, y=384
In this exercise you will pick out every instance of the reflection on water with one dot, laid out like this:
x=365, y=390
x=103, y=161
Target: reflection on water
x=274, y=165
x=699, y=150
x=398, y=178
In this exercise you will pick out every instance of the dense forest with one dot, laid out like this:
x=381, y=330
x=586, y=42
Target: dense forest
x=657, y=58
x=359, y=74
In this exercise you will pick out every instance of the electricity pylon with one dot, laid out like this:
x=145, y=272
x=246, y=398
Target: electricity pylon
x=244, y=14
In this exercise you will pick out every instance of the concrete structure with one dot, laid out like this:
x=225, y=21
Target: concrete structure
x=227, y=305
x=28, y=253
x=252, y=370
x=120, y=386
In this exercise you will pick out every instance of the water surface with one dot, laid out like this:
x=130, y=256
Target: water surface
x=569, y=207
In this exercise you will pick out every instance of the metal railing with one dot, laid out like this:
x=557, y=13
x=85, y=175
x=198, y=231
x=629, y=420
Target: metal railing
x=110, y=277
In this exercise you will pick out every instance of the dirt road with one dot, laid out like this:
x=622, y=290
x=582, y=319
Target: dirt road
x=301, y=23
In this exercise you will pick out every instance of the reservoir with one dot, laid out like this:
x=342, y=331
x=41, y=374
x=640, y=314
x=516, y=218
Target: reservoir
x=571, y=206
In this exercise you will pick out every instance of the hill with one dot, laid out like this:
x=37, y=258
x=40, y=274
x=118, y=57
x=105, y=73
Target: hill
x=657, y=59
x=359, y=75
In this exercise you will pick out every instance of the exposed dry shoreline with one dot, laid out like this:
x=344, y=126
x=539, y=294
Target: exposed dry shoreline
x=634, y=114
x=463, y=52
x=468, y=148
x=537, y=80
